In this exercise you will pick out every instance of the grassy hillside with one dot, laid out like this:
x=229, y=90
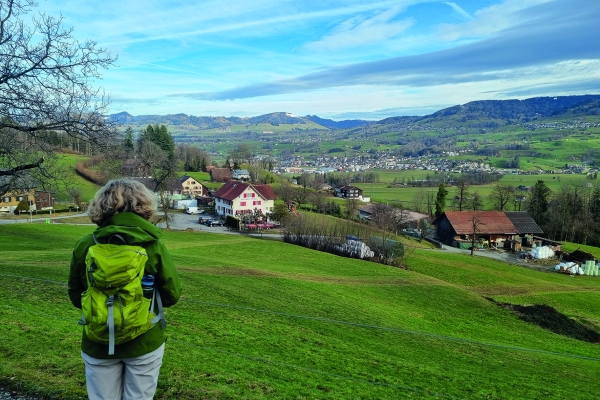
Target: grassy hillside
x=87, y=188
x=264, y=319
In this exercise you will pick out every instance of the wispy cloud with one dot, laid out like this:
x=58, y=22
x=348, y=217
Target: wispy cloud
x=550, y=36
x=360, y=30
x=336, y=58
x=489, y=20
x=459, y=9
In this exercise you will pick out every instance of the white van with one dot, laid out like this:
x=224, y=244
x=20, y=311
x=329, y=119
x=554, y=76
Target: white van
x=192, y=208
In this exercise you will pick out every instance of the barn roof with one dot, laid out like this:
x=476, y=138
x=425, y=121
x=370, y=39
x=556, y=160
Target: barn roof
x=523, y=222
x=220, y=174
x=491, y=222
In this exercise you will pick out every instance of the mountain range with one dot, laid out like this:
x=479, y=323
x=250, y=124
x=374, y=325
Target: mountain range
x=501, y=112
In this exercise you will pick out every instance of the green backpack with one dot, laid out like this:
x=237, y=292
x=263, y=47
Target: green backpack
x=114, y=307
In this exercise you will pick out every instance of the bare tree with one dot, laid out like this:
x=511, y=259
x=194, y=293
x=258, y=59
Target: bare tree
x=419, y=200
x=240, y=154
x=351, y=208
x=430, y=201
x=318, y=200
x=389, y=218
x=462, y=191
x=156, y=163
x=501, y=196
x=475, y=202
x=300, y=196
x=46, y=88
x=476, y=224
x=285, y=191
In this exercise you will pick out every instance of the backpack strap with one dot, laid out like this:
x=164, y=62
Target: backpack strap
x=117, y=236
x=160, y=316
x=121, y=238
x=111, y=325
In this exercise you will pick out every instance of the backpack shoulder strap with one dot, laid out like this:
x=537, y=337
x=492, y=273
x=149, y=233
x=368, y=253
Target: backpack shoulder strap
x=160, y=315
x=121, y=238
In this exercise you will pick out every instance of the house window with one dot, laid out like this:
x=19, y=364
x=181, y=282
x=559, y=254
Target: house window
x=6, y=199
x=20, y=198
x=245, y=195
x=258, y=203
x=242, y=203
x=253, y=194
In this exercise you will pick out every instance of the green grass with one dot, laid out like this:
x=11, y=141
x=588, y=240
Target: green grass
x=264, y=319
x=384, y=191
x=87, y=188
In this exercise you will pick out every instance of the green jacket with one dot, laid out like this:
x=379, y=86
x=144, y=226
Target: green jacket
x=136, y=231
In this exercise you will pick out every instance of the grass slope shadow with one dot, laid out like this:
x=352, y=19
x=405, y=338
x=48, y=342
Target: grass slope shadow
x=548, y=317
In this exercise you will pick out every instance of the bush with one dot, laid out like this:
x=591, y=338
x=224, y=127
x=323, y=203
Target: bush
x=22, y=206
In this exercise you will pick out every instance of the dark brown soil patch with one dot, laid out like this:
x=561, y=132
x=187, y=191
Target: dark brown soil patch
x=549, y=318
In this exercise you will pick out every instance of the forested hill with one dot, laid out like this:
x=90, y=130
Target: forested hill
x=276, y=118
x=517, y=110
x=495, y=112
x=331, y=124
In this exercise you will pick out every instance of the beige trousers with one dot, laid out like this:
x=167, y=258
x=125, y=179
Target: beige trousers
x=123, y=379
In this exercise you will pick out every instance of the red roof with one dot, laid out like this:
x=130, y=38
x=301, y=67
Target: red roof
x=231, y=190
x=492, y=222
x=220, y=174
x=265, y=191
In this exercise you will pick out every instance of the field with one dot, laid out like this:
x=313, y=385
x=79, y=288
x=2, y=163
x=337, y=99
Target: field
x=384, y=191
x=87, y=188
x=267, y=320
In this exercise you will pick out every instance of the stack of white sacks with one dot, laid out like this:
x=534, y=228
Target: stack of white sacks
x=570, y=268
x=590, y=268
x=542, y=252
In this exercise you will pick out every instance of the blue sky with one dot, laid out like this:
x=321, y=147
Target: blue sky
x=336, y=59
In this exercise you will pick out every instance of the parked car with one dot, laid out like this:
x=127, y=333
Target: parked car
x=202, y=220
x=215, y=222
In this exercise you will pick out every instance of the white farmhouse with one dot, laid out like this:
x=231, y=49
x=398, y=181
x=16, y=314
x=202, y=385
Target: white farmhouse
x=237, y=198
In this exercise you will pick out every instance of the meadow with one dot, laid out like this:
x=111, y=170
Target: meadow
x=268, y=320
x=384, y=190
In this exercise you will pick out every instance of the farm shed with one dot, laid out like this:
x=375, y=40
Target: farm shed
x=492, y=227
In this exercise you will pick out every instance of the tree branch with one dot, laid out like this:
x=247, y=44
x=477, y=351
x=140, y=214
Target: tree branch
x=13, y=171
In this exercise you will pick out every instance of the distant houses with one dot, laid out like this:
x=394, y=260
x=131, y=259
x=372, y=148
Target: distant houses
x=350, y=193
x=192, y=186
x=240, y=174
x=23, y=189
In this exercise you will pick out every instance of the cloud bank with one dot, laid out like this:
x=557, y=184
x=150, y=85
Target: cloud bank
x=549, y=36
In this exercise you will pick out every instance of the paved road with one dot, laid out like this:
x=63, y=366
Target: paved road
x=501, y=255
x=182, y=222
x=37, y=218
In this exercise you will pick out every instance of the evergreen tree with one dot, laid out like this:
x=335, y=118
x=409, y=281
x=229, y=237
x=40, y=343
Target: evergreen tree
x=160, y=136
x=128, y=141
x=539, y=201
x=440, y=200
x=595, y=204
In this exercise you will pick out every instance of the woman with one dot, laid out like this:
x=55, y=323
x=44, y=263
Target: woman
x=123, y=207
